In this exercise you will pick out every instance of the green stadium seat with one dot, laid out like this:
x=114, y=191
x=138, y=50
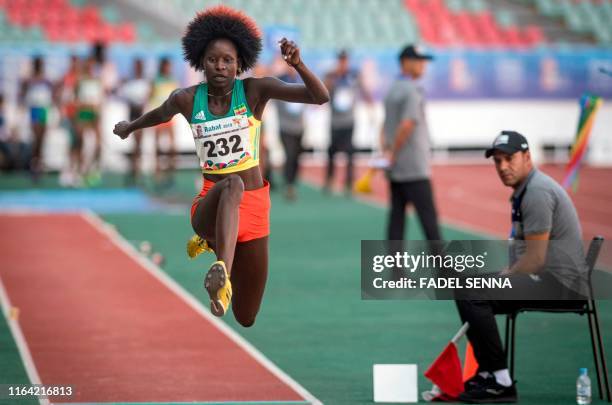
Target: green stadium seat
x=575, y=22
x=146, y=33
x=603, y=34
x=549, y=8
x=543, y=7
x=35, y=34
x=477, y=6
x=78, y=3
x=505, y=18
x=110, y=14
x=455, y=5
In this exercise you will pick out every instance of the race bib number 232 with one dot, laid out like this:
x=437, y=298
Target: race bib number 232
x=222, y=142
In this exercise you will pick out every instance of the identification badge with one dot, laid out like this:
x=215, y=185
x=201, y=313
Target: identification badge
x=344, y=98
x=90, y=92
x=222, y=143
x=40, y=95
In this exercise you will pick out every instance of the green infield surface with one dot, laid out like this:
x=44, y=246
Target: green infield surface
x=85, y=308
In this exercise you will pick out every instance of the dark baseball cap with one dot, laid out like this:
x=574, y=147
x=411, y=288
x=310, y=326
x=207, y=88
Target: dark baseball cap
x=414, y=52
x=508, y=142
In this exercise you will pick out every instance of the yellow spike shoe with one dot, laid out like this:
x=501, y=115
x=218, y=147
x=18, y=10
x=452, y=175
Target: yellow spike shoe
x=219, y=287
x=197, y=246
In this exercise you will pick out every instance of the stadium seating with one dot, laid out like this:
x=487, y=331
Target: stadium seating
x=61, y=21
x=593, y=17
x=384, y=24
x=10, y=33
x=470, y=23
x=323, y=24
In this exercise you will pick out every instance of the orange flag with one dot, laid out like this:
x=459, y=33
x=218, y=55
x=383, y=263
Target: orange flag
x=470, y=365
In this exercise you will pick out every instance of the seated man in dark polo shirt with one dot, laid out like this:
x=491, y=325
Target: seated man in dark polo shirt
x=547, y=265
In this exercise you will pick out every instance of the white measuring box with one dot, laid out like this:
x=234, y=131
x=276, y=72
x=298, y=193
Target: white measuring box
x=395, y=383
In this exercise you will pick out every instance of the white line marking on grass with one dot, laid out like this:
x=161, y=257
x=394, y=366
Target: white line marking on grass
x=172, y=285
x=22, y=346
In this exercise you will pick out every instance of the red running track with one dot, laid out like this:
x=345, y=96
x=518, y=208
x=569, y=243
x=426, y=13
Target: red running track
x=94, y=318
x=473, y=198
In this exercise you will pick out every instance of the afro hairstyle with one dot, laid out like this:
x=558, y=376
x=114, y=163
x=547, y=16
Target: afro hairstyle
x=222, y=22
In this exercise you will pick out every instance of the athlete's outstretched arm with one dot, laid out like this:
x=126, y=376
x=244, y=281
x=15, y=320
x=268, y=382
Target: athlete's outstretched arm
x=159, y=115
x=313, y=91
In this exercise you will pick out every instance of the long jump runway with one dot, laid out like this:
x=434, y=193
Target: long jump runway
x=95, y=315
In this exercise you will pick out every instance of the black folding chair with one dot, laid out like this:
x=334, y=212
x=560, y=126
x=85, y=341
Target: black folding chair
x=588, y=308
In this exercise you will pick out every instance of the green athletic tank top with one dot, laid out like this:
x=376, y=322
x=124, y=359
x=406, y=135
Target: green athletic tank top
x=228, y=143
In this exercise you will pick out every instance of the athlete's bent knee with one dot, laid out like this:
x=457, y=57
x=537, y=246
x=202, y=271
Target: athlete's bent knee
x=235, y=186
x=244, y=321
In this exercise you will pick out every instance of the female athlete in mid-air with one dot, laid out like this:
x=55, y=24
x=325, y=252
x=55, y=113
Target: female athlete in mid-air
x=231, y=213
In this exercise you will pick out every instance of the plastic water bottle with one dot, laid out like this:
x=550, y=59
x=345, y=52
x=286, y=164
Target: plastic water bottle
x=583, y=388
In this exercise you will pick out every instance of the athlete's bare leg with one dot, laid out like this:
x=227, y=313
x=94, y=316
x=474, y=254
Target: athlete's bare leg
x=158, y=133
x=76, y=151
x=249, y=279
x=171, y=152
x=166, y=170
x=98, y=145
x=216, y=217
x=38, y=131
x=136, y=154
